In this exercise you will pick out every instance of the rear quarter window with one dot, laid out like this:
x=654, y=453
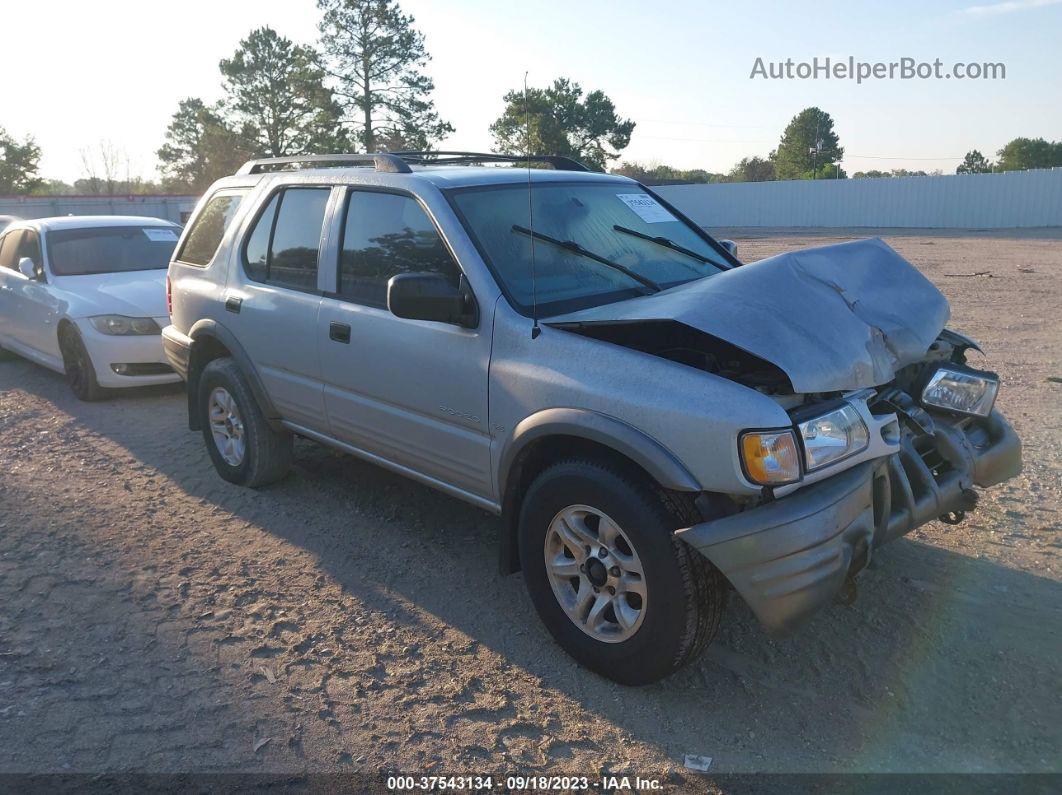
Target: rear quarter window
x=209, y=227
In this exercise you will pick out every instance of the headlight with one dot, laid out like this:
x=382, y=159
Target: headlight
x=833, y=436
x=967, y=392
x=122, y=326
x=770, y=458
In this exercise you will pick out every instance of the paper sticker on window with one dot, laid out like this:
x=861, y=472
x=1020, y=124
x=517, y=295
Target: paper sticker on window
x=161, y=235
x=647, y=208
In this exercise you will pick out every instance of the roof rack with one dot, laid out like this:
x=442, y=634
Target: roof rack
x=399, y=162
x=382, y=162
x=443, y=158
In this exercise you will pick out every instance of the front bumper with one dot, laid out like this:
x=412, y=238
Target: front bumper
x=789, y=557
x=106, y=350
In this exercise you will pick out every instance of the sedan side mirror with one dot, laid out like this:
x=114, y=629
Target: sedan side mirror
x=431, y=296
x=730, y=246
x=27, y=268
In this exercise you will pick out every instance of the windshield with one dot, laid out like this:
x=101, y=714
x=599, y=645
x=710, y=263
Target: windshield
x=594, y=242
x=110, y=249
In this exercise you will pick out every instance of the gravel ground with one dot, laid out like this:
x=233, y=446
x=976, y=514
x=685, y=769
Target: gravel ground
x=157, y=618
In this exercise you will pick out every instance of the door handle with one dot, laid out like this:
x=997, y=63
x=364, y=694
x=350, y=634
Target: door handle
x=233, y=304
x=340, y=332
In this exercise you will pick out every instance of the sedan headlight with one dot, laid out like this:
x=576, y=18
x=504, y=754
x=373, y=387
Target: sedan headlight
x=831, y=437
x=770, y=458
x=964, y=391
x=122, y=326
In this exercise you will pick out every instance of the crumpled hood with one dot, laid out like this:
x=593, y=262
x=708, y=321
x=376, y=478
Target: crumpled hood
x=833, y=318
x=133, y=293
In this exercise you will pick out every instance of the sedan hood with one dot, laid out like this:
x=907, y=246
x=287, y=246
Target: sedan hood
x=832, y=318
x=134, y=293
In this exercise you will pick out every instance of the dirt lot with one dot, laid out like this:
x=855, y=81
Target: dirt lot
x=154, y=617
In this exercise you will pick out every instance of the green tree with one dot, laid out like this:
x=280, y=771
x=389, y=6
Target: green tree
x=18, y=164
x=808, y=144
x=376, y=58
x=1024, y=153
x=658, y=173
x=562, y=122
x=275, y=88
x=974, y=163
x=752, y=169
x=201, y=147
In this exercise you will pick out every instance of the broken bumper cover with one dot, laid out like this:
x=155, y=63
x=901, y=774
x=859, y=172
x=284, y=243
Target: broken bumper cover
x=789, y=557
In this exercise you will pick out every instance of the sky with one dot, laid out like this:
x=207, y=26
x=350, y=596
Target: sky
x=111, y=71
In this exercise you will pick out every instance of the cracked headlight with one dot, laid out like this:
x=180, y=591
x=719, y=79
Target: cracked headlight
x=122, y=326
x=831, y=437
x=964, y=391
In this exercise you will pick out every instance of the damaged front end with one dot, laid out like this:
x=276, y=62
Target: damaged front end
x=797, y=548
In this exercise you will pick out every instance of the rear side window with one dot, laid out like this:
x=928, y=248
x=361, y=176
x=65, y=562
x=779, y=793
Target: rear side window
x=284, y=245
x=385, y=234
x=209, y=227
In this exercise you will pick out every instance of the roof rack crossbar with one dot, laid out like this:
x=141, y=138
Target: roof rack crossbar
x=388, y=163
x=439, y=158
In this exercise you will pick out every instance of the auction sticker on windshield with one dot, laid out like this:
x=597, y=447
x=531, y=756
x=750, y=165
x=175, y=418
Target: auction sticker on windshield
x=647, y=208
x=161, y=235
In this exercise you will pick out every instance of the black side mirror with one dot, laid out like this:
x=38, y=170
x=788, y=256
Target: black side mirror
x=431, y=296
x=730, y=246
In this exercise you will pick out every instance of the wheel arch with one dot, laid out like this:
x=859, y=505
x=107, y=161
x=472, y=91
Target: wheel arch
x=211, y=340
x=553, y=434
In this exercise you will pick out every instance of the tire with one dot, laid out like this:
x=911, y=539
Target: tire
x=684, y=594
x=263, y=454
x=77, y=364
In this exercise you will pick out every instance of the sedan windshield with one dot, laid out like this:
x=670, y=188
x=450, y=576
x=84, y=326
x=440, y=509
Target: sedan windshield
x=110, y=249
x=594, y=242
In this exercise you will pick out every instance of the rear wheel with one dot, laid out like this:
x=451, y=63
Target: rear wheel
x=609, y=579
x=244, y=447
x=77, y=364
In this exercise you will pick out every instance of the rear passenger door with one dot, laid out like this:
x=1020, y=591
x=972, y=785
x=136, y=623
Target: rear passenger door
x=274, y=300
x=412, y=392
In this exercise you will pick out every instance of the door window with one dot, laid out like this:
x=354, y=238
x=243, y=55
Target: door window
x=30, y=247
x=385, y=234
x=284, y=246
x=9, y=245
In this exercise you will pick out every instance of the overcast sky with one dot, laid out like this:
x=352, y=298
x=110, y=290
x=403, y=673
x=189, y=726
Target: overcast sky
x=77, y=73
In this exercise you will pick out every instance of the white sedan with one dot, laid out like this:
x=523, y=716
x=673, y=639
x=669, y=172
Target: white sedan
x=86, y=296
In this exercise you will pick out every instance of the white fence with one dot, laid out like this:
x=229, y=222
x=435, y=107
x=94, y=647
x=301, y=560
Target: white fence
x=967, y=201
x=172, y=208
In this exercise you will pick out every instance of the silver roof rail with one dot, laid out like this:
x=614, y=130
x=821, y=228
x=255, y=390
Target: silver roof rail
x=388, y=163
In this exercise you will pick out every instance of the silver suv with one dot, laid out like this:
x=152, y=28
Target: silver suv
x=655, y=422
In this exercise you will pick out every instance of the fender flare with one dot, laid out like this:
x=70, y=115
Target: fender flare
x=208, y=328
x=610, y=432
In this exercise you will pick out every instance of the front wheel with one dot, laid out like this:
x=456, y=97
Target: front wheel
x=611, y=582
x=244, y=447
x=77, y=364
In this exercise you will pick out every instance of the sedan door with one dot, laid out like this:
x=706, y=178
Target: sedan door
x=30, y=305
x=411, y=393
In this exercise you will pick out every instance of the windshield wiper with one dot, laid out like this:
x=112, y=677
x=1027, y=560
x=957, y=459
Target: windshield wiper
x=575, y=248
x=671, y=244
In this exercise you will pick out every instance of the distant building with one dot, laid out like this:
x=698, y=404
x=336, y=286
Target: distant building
x=172, y=208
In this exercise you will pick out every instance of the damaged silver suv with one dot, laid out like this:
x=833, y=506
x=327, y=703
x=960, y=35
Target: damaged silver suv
x=655, y=422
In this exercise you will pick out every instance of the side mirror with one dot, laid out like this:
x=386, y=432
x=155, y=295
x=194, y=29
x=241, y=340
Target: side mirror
x=431, y=296
x=27, y=268
x=730, y=246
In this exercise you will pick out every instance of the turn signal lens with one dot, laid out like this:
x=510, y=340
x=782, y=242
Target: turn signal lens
x=770, y=457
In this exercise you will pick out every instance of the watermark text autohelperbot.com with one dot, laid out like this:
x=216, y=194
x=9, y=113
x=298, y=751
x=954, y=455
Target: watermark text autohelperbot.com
x=849, y=68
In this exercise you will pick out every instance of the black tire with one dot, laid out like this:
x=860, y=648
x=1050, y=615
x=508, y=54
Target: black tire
x=685, y=594
x=80, y=374
x=267, y=452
